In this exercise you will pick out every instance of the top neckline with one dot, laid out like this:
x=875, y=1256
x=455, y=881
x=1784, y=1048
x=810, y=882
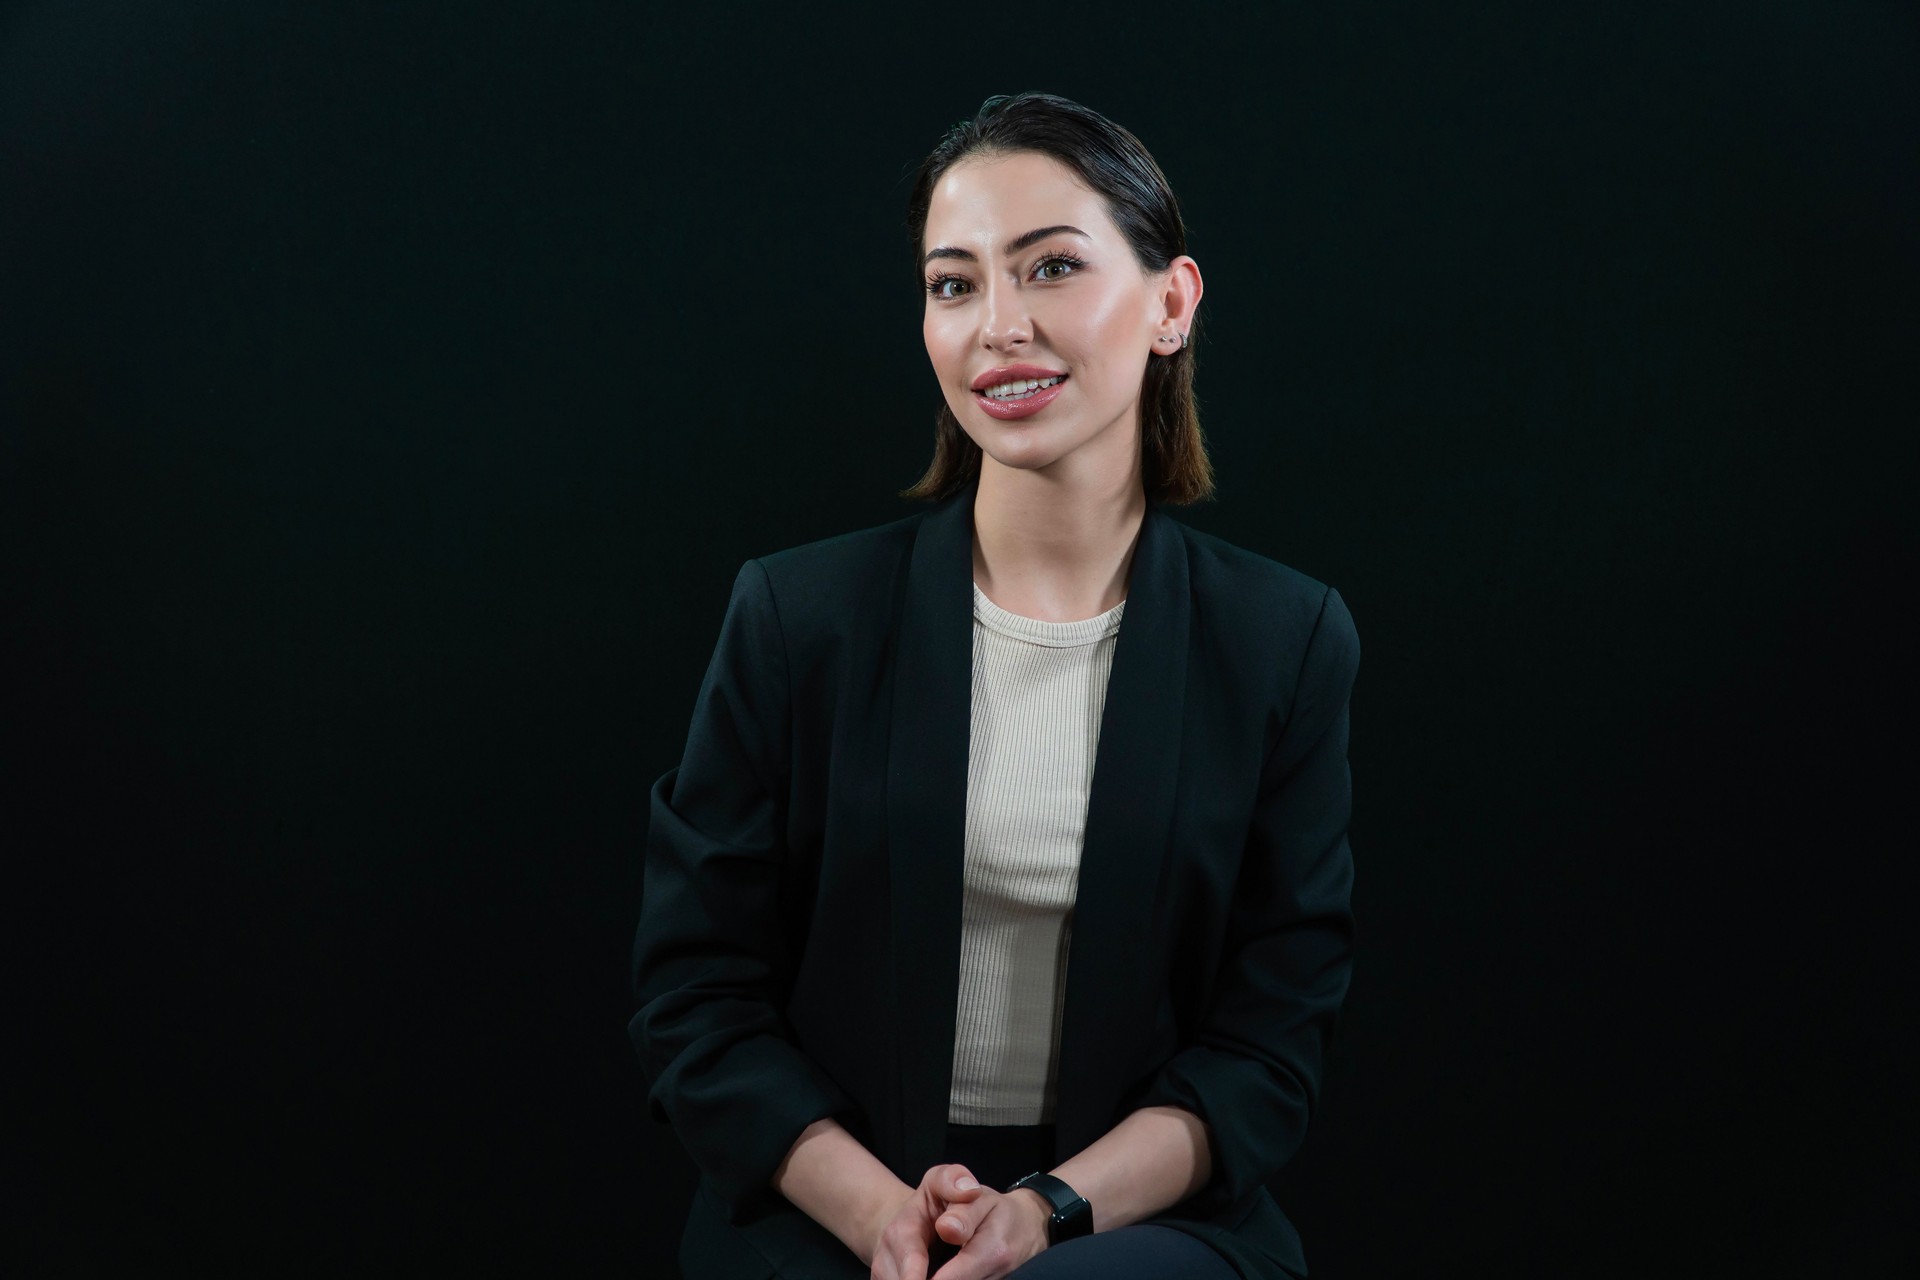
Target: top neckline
x=1059, y=635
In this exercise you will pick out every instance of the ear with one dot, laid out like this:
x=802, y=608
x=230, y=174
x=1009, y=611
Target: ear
x=1179, y=301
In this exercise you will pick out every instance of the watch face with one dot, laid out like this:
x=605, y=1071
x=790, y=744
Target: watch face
x=1075, y=1220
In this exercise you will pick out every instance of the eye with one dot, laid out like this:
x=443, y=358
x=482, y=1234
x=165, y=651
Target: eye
x=948, y=287
x=936, y=286
x=1058, y=259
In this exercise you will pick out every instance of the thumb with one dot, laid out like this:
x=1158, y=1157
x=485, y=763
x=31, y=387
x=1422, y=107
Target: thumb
x=965, y=1203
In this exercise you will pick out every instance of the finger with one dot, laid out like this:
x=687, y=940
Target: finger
x=991, y=1253
x=953, y=1182
x=979, y=1261
x=957, y=1222
x=948, y=1194
x=970, y=1263
x=955, y=1227
x=954, y=1186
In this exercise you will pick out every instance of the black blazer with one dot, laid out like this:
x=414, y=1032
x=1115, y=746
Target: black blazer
x=798, y=949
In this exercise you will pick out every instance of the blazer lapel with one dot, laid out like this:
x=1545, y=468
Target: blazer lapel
x=926, y=818
x=1129, y=818
x=1130, y=810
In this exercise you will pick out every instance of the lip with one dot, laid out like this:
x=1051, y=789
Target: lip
x=1033, y=404
x=1008, y=372
x=1016, y=407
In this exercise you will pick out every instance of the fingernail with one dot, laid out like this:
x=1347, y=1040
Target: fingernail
x=965, y=1184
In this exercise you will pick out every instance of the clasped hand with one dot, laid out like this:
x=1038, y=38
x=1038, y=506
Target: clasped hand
x=994, y=1232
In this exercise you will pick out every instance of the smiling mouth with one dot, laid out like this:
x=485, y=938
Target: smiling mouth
x=1021, y=390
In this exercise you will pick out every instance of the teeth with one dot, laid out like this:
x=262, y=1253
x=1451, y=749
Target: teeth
x=1017, y=390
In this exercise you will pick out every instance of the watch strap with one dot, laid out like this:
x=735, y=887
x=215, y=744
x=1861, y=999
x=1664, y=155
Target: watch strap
x=1072, y=1215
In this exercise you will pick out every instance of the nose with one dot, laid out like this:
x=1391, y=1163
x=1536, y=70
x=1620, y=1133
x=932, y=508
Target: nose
x=1004, y=323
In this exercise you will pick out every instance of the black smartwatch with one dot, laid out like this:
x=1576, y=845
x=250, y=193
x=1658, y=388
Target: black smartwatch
x=1072, y=1216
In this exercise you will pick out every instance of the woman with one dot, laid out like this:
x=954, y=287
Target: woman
x=961, y=878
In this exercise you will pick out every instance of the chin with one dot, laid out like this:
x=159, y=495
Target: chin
x=1036, y=458
x=1029, y=463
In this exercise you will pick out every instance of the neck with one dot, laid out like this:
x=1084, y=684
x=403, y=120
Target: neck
x=1055, y=548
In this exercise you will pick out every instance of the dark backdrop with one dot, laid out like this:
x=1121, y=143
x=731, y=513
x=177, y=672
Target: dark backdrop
x=391, y=392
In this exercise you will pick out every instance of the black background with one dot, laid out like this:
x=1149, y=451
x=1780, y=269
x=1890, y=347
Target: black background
x=391, y=392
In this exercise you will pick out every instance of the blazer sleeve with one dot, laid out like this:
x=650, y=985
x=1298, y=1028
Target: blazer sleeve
x=710, y=957
x=1252, y=1071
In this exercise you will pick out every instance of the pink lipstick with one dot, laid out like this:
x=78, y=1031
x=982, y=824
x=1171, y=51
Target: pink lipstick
x=1023, y=405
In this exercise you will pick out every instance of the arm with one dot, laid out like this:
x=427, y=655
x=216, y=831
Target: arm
x=840, y=1185
x=1252, y=1072
x=710, y=953
x=1152, y=1160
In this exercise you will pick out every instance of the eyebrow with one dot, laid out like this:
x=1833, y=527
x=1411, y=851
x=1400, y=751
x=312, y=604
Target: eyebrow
x=1014, y=246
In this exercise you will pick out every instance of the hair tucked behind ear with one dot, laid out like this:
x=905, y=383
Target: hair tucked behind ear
x=1110, y=160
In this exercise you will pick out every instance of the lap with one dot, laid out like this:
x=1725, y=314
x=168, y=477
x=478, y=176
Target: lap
x=1138, y=1252
x=998, y=1154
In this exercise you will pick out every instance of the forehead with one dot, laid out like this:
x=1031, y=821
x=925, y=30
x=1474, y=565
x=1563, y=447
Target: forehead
x=984, y=201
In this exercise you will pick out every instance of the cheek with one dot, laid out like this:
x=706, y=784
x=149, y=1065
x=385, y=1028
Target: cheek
x=938, y=336
x=1114, y=321
x=1101, y=325
x=1108, y=330
x=1114, y=348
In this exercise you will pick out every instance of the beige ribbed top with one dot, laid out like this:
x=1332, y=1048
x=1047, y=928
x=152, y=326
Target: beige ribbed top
x=1039, y=689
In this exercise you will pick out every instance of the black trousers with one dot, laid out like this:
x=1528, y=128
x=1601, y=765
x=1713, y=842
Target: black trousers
x=996, y=1155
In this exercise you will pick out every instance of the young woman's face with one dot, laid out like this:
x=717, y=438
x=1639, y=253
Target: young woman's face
x=1071, y=302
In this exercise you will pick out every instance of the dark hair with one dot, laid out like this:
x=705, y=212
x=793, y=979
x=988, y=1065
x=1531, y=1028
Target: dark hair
x=1174, y=462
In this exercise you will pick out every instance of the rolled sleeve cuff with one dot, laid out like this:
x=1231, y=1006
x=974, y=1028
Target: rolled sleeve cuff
x=1253, y=1121
x=739, y=1105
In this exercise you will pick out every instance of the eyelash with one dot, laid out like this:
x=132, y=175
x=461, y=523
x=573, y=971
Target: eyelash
x=934, y=283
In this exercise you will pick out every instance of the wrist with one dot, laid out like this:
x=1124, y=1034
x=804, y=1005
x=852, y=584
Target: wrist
x=1039, y=1209
x=881, y=1202
x=1067, y=1214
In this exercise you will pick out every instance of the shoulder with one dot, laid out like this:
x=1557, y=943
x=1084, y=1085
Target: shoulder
x=844, y=553
x=1243, y=590
x=834, y=563
x=825, y=582
x=1265, y=615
